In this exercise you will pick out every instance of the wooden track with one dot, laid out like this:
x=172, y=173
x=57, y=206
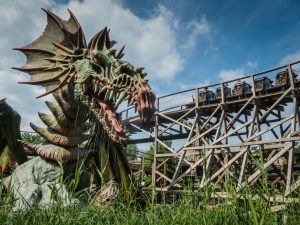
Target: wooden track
x=231, y=139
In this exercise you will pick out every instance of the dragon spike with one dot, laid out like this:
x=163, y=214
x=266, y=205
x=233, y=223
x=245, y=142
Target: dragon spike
x=55, y=18
x=48, y=92
x=28, y=147
x=81, y=42
x=93, y=40
x=112, y=43
x=55, y=78
x=65, y=81
x=61, y=140
x=100, y=43
x=46, y=51
x=65, y=49
x=107, y=40
x=32, y=69
x=121, y=54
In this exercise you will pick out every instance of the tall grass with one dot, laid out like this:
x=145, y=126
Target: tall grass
x=175, y=209
x=185, y=210
x=249, y=206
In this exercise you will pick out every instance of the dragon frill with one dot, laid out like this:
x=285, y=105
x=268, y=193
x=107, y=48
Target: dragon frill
x=82, y=78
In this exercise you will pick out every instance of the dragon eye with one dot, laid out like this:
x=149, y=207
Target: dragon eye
x=95, y=60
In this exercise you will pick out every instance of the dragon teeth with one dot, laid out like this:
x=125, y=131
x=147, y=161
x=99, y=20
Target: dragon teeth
x=101, y=90
x=120, y=99
x=127, y=97
x=128, y=81
x=107, y=95
x=111, y=95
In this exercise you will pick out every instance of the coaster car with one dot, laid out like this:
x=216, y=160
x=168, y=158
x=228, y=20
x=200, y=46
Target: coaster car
x=241, y=88
x=227, y=92
x=262, y=84
x=282, y=78
x=206, y=95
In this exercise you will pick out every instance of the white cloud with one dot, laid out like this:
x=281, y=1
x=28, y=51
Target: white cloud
x=227, y=75
x=149, y=42
x=292, y=57
x=198, y=28
x=252, y=65
x=24, y=22
x=184, y=86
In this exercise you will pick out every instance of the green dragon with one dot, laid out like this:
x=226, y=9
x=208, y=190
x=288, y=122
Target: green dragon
x=85, y=79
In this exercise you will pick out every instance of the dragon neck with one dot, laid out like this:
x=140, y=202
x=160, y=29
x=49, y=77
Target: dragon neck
x=67, y=124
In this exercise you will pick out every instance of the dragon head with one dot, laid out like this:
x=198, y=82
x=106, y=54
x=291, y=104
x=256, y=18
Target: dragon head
x=101, y=80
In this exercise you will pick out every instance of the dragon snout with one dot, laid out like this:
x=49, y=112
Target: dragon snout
x=145, y=100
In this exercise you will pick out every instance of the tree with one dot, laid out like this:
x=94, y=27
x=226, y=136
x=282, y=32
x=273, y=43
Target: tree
x=160, y=149
x=132, y=151
x=32, y=138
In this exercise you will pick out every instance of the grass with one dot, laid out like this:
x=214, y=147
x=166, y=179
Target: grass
x=178, y=210
x=184, y=209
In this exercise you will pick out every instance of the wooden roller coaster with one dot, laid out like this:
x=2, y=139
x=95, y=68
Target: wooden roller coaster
x=240, y=131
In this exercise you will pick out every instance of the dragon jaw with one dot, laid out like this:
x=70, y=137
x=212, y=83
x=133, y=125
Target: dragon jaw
x=103, y=91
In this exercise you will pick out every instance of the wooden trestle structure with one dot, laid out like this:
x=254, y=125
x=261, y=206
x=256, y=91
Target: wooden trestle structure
x=239, y=139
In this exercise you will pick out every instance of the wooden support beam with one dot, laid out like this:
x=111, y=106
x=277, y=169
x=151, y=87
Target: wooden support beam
x=175, y=121
x=207, y=166
x=178, y=167
x=289, y=176
x=266, y=165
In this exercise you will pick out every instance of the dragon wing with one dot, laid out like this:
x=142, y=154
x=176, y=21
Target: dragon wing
x=50, y=58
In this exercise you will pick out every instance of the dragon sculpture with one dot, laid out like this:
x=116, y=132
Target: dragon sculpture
x=88, y=82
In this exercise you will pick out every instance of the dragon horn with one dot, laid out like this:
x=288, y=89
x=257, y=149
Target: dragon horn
x=101, y=39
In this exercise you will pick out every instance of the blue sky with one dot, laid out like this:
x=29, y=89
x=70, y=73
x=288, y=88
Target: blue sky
x=182, y=44
x=245, y=36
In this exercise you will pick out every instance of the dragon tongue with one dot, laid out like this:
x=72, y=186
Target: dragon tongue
x=110, y=114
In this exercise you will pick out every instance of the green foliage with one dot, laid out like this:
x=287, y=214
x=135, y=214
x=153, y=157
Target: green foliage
x=32, y=138
x=170, y=165
x=132, y=151
x=160, y=149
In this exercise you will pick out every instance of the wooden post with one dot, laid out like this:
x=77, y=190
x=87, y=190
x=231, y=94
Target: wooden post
x=155, y=152
x=289, y=176
x=197, y=123
x=253, y=87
